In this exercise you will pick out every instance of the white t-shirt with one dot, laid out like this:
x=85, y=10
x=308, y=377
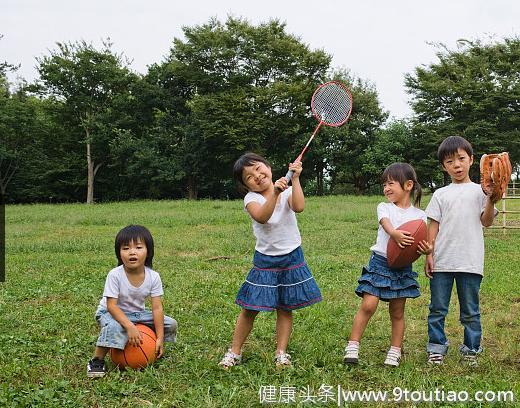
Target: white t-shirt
x=397, y=216
x=459, y=246
x=129, y=298
x=280, y=234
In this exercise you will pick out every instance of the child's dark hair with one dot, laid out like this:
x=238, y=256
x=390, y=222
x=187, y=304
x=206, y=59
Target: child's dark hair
x=134, y=233
x=451, y=145
x=247, y=159
x=402, y=172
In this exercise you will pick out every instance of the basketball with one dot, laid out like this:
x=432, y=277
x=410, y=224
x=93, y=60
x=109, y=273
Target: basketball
x=136, y=356
x=399, y=257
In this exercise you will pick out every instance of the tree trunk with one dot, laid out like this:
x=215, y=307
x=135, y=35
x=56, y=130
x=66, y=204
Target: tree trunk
x=90, y=173
x=192, y=189
x=319, y=180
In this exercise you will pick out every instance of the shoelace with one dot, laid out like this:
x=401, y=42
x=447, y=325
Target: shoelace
x=352, y=350
x=471, y=359
x=283, y=359
x=230, y=359
x=435, y=358
x=96, y=363
x=393, y=356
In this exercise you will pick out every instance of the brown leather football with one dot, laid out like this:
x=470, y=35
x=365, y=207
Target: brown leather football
x=400, y=257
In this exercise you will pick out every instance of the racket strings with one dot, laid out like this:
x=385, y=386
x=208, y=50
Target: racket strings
x=332, y=104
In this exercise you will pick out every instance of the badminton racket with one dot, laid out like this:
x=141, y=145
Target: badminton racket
x=331, y=104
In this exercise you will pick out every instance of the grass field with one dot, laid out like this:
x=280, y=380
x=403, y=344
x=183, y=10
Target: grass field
x=58, y=257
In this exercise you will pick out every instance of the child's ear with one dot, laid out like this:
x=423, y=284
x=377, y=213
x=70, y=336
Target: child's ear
x=408, y=185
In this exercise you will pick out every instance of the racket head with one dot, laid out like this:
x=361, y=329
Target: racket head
x=331, y=103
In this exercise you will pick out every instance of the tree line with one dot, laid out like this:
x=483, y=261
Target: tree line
x=89, y=128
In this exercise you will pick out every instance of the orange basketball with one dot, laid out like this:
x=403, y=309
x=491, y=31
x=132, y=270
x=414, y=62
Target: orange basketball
x=136, y=356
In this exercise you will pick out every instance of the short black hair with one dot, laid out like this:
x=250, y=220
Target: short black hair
x=247, y=159
x=402, y=172
x=451, y=145
x=134, y=233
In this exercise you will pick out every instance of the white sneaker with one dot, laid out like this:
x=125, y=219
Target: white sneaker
x=393, y=358
x=470, y=359
x=230, y=359
x=435, y=358
x=351, y=354
x=282, y=359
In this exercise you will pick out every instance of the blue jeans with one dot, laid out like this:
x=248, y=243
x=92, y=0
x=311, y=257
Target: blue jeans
x=468, y=288
x=113, y=335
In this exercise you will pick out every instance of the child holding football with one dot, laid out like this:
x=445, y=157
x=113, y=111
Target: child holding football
x=380, y=282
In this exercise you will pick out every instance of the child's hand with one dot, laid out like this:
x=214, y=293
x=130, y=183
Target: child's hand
x=159, y=348
x=403, y=238
x=424, y=248
x=297, y=168
x=135, y=338
x=428, y=266
x=280, y=185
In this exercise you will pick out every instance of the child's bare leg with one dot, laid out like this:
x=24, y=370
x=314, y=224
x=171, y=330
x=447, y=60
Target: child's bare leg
x=363, y=315
x=284, y=321
x=243, y=327
x=396, y=310
x=100, y=352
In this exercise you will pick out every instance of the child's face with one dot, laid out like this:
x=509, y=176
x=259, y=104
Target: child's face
x=395, y=193
x=133, y=255
x=257, y=177
x=457, y=166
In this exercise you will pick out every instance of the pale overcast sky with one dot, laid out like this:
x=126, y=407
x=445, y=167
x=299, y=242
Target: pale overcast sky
x=378, y=40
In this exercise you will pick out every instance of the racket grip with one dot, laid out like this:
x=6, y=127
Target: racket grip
x=289, y=175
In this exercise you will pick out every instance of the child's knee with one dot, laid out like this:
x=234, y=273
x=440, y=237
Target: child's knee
x=249, y=314
x=170, y=324
x=368, y=308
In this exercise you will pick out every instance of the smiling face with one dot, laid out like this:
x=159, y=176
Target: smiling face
x=458, y=165
x=257, y=177
x=396, y=194
x=134, y=255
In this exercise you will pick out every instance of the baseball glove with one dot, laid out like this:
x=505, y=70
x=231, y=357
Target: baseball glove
x=495, y=173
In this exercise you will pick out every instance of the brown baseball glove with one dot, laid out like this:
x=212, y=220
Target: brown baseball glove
x=495, y=173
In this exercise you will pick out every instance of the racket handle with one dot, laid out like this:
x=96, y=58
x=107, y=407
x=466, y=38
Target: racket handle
x=289, y=175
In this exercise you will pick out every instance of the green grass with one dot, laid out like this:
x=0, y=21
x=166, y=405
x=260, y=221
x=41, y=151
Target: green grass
x=58, y=257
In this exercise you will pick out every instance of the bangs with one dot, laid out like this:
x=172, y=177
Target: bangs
x=134, y=233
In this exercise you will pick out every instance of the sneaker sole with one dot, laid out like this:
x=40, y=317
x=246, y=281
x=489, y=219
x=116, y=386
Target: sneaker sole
x=350, y=360
x=95, y=375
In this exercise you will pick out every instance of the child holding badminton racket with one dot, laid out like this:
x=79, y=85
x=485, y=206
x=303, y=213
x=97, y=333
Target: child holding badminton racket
x=380, y=282
x=279, y=279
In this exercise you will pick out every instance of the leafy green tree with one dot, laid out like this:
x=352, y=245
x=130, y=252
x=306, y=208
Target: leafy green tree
x=245, y=88
x=87, y=82
x=472, y=91
x=345, y=150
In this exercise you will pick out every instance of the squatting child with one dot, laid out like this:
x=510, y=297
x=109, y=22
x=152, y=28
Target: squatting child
x=123, y=302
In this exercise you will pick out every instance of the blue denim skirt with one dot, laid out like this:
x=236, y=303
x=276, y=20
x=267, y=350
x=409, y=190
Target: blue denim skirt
x=387, y=283
x=278, y=282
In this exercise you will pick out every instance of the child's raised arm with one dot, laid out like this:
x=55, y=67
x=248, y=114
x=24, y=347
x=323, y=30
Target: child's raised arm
x=488, y=215
x=262, y=212
x=297, y=199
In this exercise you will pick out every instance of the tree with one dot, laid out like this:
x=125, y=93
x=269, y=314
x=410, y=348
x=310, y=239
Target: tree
x=472, y=91
x=343, y=151
x=88, y=82
x=245, y=88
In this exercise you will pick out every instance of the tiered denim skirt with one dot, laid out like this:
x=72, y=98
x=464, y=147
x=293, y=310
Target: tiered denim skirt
x=278, y=282
x=387, y=283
